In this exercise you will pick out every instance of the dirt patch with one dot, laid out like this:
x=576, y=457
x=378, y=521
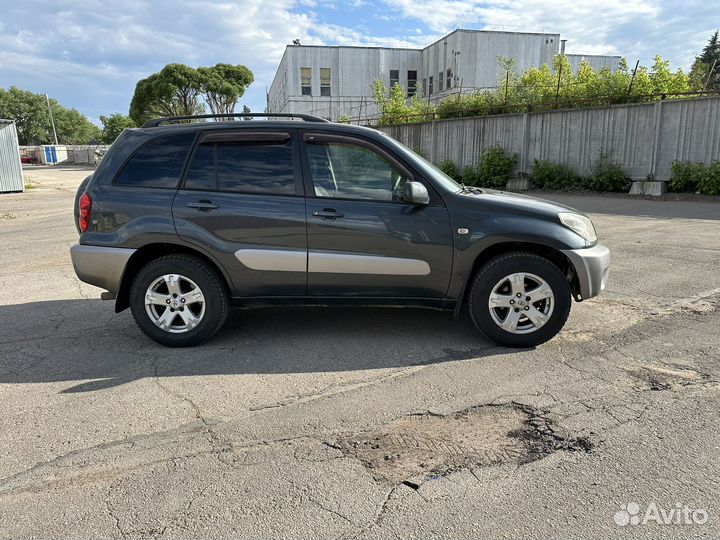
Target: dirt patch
x=425, y=445
x=8, y=215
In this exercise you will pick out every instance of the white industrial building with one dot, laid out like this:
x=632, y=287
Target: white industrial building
x=332, y=81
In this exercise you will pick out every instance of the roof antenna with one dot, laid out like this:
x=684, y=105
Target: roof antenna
x=296, y=42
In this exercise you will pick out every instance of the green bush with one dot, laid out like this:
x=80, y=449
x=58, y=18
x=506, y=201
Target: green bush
x=554, y=176
x=495, y=167
x=685, y=176
x=470, y=176
x=709, y=183
x=448, y=167
x=608, y=175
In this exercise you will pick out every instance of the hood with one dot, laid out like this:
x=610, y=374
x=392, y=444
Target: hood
x=513, y=203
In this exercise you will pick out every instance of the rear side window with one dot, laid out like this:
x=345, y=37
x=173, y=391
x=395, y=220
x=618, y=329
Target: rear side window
x=158, y=164
x=243, y=166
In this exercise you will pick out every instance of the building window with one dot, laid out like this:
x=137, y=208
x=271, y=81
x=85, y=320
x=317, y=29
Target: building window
x=412, y=83
x=325, y=81
x=440, y=77
x=306, y=81
x=449, y=83
x=423, y=88
x=394, y=78
x=430, y=87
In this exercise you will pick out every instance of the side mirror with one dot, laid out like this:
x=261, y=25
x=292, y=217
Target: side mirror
x=416, y=193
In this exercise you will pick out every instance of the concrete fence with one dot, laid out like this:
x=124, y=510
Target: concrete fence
x=646, y=137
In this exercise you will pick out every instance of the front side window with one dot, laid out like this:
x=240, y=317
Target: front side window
x=449, y=79
x=158, y=164
x=306, y=81
x=325, y=81
x=440, y=79
x=347, y=171
x=430, y=86
x=243, y=166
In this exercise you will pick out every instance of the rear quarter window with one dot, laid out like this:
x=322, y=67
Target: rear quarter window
x=157, y=164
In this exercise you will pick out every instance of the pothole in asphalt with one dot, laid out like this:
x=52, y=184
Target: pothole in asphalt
x=424, y=445
x=663, y=378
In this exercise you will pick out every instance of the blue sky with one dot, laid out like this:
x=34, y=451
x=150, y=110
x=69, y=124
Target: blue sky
x=89, y=54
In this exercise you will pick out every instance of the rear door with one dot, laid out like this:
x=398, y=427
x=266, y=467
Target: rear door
x=242, y=199
x=364, y=240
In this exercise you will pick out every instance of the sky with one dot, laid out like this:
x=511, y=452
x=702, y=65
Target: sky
x=89, y=54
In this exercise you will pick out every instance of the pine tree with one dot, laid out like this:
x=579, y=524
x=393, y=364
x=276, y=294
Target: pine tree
x=704, y=63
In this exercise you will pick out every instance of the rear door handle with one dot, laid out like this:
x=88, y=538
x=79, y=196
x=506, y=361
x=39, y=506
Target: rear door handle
x=203, y=206
x=328, y=213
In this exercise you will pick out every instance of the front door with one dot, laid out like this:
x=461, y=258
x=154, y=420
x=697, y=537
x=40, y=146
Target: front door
x=242, y=200
x=364, y=240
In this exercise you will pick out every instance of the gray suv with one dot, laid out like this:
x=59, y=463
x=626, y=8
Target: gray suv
x=184, y=218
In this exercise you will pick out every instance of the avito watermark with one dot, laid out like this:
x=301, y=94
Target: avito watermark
x=631, y=514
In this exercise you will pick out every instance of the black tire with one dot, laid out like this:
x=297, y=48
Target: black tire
x=216, y=299
x=505, y=265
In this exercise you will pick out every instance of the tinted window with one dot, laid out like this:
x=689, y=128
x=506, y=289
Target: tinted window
x=158, y=163
x=255, y=167
x=353, y=172
x=201, y=173
x=243, y=166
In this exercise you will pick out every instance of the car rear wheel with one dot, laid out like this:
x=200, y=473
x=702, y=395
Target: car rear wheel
x=178, y=300
x=520, y=300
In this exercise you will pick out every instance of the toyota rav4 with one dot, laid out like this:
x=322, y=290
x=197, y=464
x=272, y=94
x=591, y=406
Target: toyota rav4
x=183, y=218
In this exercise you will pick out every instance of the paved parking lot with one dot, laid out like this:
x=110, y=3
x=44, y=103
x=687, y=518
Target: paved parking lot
x=344, y=423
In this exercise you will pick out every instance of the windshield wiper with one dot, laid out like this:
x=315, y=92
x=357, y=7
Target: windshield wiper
x=470, y=189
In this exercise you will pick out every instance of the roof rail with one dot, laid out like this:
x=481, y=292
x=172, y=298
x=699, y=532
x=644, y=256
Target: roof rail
x=174, y=119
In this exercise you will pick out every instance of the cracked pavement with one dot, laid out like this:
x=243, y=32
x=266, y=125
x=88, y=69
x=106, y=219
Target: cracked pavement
x=108, y=435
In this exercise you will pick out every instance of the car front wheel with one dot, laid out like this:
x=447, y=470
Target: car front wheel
x=520, y=300
x=178, y=300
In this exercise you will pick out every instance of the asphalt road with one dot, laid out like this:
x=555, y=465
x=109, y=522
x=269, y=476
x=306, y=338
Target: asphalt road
x=278, y=427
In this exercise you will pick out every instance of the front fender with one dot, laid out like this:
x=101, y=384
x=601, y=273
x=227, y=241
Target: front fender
x=491, y=229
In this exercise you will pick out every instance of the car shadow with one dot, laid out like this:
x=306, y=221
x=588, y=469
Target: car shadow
x=85, y=343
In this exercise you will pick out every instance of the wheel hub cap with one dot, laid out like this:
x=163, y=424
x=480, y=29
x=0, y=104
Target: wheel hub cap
x=175, y=303
x=521, y=303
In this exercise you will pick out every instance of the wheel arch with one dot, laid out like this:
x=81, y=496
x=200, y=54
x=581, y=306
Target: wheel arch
x=554, y=255
x=150, y=252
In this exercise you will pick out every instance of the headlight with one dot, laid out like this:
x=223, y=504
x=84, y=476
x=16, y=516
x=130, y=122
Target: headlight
x=579, y=224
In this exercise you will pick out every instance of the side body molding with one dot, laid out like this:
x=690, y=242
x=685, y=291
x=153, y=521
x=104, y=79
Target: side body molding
x=289, y=260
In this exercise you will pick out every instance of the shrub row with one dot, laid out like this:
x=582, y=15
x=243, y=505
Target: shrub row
x=689, y=177
x=493, y=170
x=496, y=166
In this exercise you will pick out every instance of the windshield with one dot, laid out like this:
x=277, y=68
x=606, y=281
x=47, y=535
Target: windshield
x=428, y=168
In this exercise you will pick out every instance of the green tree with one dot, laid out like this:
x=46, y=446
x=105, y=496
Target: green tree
x=173, y=91
x=222, y=85
x=664, y=81
x=178, y=90
x=30, y=113
x=700, y=76
x=246, y=110
x=113, y=125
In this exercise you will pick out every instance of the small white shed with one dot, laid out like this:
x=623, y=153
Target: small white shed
x=11, y=175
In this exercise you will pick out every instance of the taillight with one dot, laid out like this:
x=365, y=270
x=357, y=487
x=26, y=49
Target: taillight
x=85, y=205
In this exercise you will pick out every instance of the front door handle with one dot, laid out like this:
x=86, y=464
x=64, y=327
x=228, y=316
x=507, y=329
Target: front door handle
x=203, y=206
x=328, y=213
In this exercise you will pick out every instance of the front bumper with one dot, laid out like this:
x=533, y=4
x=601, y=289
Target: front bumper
x=99, y=265
x=592, y=266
